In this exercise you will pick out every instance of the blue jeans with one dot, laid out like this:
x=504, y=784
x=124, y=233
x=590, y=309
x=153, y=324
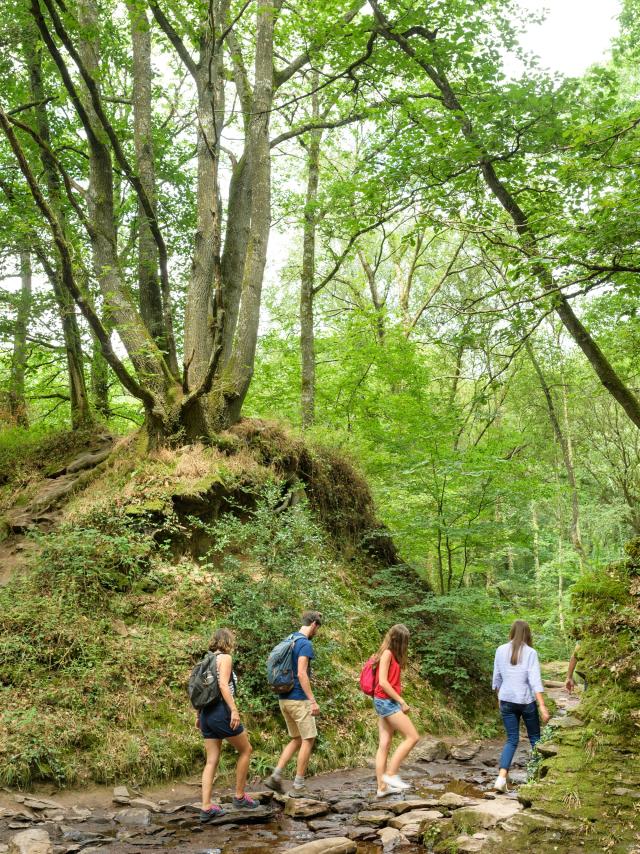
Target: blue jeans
x=511, y=714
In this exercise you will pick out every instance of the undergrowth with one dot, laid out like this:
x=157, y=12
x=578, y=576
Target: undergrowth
x=97, y=640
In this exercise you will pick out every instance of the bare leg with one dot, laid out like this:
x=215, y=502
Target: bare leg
x=385, y=736
x=289, y=752
x=404, y=725
x=243, y=746
x=303, y=756
x=212, y=746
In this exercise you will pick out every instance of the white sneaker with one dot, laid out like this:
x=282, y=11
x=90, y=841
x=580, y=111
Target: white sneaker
x=395, y=782
x=384, y=793
x=500, y=784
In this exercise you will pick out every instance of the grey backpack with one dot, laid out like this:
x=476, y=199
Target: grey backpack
x=203, y=683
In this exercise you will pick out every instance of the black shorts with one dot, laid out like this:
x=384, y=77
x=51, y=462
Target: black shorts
x=215, y=721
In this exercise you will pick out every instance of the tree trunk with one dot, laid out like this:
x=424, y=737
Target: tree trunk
x=17, y=401
x=536, y=549
x=243, y=355
x=81, y=415
x=307, y=342
x=149, y=292
x=565, y=447
x=100, y=381
x=378, y=303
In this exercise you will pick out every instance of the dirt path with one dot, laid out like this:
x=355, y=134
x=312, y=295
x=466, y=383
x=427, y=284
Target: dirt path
x=451, y=794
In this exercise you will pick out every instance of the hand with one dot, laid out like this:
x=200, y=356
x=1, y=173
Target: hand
x=235, y=719
x=315, y=708
x=405, y=708
x=544, y=714
x=570, y=684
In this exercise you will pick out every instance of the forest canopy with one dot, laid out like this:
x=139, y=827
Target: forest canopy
x=346, y=215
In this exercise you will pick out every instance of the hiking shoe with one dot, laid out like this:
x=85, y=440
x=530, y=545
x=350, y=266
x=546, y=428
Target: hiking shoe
x=299, y=792
x=500, y=784
x=273, y=783
x=245, y=803
x=214, y=811
x=395, y=782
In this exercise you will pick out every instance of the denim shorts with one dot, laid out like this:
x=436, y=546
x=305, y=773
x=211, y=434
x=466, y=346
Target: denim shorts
x=386, y=707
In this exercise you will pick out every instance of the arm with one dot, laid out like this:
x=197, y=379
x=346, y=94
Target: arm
x=535, y=680
x=305, y=683
x=224, y=675
x=383, y=680
x=570, y=683
x=497, y=676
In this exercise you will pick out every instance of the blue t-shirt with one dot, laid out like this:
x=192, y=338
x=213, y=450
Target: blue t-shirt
x=304, y=647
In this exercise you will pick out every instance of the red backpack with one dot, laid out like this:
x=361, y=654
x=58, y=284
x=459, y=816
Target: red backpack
x=369, y=677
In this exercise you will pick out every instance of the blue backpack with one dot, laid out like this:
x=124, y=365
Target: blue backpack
x=280, y=673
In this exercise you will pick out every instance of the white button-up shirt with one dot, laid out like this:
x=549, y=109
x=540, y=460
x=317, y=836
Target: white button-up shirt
x=518, y=683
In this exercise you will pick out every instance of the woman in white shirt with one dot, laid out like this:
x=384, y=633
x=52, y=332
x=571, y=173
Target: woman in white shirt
x=516, y=678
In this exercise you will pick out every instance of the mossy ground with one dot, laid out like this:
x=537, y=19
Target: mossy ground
x=98, y=637
x=594, y=781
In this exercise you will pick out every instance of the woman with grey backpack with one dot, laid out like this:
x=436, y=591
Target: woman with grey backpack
x=219, y=720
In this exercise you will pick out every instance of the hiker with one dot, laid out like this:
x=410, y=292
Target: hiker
x=220, y=721
x=516, y=678
x=299, y=708
x=392, y=710
x=570, y=684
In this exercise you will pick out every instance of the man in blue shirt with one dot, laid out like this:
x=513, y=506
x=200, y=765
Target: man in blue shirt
x=299, y=708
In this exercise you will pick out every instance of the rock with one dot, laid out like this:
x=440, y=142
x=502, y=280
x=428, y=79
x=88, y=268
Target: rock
x=453, y=801
x=330, y=845
x=33, y=841
x=80, y=812
x=465, y=751
x=392, y=839
x=320, y=824
x=568, y=722
x=357, y=833
x=547, y=748
x=305, y=807
x=374, y=818
x=145, y=804
x=414, y=804
x=133, y=817
x=40, y=804
x=348, y=805
x=422, y=818
x=485, y=814
x=429, y=749
x=471, y=844
x=121, y=792
x=3, y=849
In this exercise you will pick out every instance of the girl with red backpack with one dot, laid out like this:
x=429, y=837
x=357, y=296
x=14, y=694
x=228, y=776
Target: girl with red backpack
x=387, y=665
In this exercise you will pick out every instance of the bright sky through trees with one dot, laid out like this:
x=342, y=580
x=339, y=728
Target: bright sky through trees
x=575, y=34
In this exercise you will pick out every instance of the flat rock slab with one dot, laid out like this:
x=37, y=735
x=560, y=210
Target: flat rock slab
x=262, y=813
x=471, y=844
x=348, y=805
x=567, y=722
x=33, y=841
x=486, y=814
x=330, y=845
x=465, y=751
x=453, y=801
x=429, y=749
x=547, y=748
x=418, y=817
x=41, y=804
x=305, y=807
x=374, y=818
x=400, y=807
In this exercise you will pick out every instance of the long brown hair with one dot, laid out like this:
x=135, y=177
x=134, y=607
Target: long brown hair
x=519, y=635
x=396, y=641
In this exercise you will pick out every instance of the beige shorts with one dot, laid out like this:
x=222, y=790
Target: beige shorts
x=300, y=722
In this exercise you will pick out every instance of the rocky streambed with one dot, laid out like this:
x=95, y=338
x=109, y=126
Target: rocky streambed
x=450, y=808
